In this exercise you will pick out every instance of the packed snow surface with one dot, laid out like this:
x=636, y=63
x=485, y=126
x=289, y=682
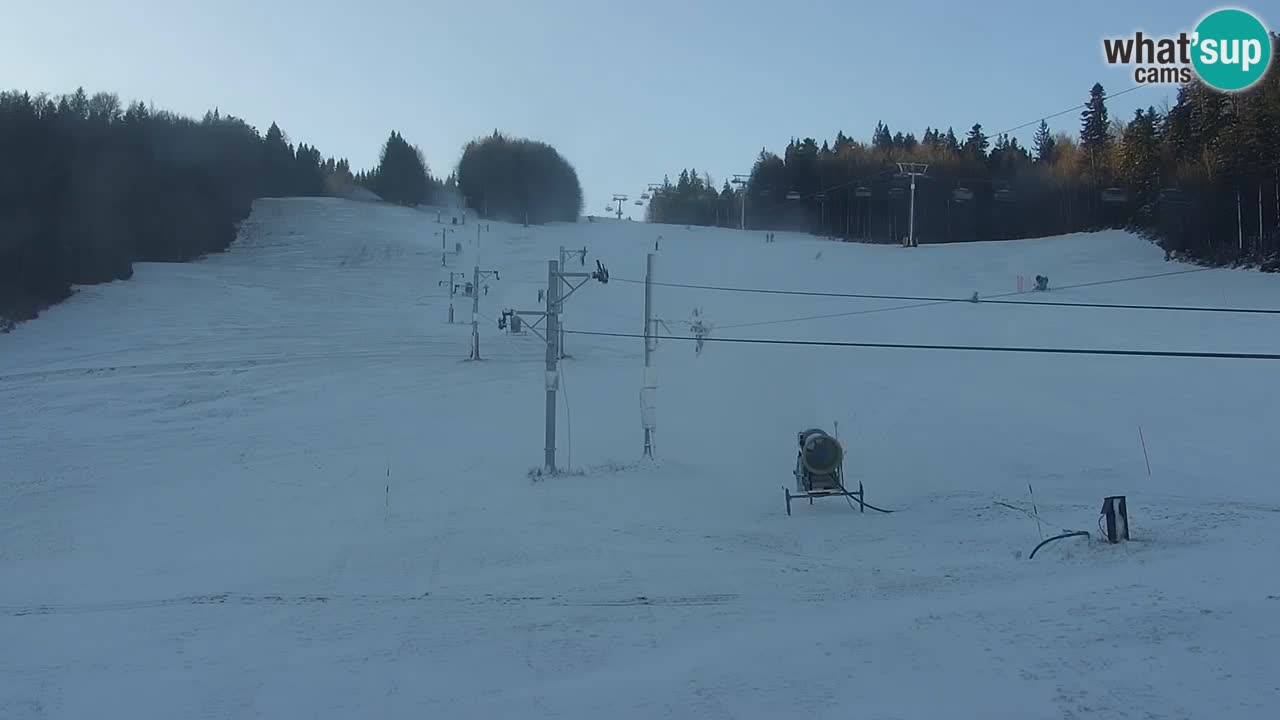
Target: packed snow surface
x=269, y=484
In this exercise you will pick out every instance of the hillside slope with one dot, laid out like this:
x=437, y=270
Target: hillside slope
x=267, y=484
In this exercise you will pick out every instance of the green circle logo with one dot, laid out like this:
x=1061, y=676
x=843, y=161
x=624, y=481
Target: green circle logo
x=1232, y=50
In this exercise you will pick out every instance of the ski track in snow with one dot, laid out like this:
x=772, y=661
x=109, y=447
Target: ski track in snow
x=266, y=484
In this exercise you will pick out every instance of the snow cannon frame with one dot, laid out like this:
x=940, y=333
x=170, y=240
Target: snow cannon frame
x=819, y=470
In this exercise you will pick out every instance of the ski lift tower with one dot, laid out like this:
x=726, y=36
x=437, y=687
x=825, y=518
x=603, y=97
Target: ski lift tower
x=618, y=199
x=741, y=181
x=913, y=170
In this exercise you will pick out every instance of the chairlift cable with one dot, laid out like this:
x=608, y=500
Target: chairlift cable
x=992, y=299
x=967, y=348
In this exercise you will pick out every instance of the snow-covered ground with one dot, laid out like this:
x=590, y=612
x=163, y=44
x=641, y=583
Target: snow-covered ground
x=267, y=484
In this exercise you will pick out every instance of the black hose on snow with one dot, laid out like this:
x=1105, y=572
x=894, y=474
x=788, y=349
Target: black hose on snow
x=1076, y=533
x=867, y=504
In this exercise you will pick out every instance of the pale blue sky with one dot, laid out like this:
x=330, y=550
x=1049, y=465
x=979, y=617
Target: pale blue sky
x=626, y=91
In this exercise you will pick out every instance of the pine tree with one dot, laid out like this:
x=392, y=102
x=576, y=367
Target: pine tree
x=1095, y=138
x=1017, y=153
x=950, y=142
x=999, y=159
x=1044, y=144
x=1141, y=156
x=882, y=140
x=401, y=175
x=278, y=163
x=86, y=189
x=726, y=205
x=1180, y=141
x=976, y=143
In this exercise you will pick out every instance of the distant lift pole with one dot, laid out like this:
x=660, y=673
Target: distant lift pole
x=742, y=181
x=476, y=276
x=652, y=190
x=649, y=391
x=618, y=199
x=556, y=280
x=914, y=170
x=444, y=234
x=564, y=262
x=453, y=290
x=444, y=247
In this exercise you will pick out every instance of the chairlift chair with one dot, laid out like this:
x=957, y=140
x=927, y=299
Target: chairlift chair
x=897, y=193
x=644, y=196
x=1173, y=196
x=962, y=194
x=863, y=192
x=1005, y=195
x=640, y=202
x=793, y=195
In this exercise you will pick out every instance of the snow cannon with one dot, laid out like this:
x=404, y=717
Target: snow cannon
x=820, y=469
x=820, y=457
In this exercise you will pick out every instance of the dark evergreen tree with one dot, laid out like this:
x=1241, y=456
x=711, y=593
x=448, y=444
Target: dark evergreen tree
x=519, y=180
x=308, y=172
x=87, y=187
x=951, y=143
x=1141, y=158
x=1095, y=135
x=401, y=176
x=1203, y=178
x=278, y=163
x=976, y=144
x=882, y=140
x=725, y=207
x=1044, y=144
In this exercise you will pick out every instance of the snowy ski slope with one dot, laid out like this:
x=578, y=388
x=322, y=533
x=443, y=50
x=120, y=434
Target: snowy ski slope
x=267, y=485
